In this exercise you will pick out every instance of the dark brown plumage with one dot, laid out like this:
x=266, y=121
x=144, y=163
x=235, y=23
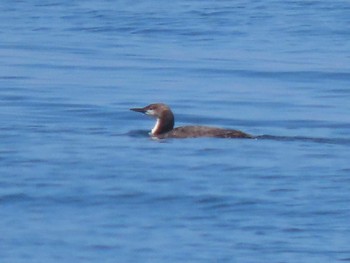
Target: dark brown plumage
x=164, y=127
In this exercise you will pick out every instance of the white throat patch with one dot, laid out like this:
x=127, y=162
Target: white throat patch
x=155, y=128
x=150, y=112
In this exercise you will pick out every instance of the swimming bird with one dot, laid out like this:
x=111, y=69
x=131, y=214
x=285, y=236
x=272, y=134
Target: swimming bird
x=164, y=127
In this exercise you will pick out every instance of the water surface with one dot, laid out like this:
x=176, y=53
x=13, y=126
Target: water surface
x=80, y=178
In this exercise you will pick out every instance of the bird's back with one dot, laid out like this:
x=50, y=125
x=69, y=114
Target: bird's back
x=203, y=131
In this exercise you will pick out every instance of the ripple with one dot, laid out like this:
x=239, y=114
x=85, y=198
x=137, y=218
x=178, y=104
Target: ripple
x=336, y=141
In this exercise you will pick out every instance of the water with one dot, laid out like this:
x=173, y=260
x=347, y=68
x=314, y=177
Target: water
x=81, y=181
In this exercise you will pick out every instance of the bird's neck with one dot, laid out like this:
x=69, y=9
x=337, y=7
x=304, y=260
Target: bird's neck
x=164, y=123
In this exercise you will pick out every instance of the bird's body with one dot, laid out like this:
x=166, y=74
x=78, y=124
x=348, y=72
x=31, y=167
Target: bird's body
x=164, y=127
x=202, y=131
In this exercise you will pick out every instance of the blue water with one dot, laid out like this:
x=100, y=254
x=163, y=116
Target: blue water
x=81, y=181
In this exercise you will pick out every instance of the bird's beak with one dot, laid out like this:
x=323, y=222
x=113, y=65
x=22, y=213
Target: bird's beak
x=142, y=110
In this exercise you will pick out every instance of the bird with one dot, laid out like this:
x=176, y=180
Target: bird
x=164, y=127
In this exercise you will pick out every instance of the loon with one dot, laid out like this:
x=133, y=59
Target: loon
x=164, y=127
